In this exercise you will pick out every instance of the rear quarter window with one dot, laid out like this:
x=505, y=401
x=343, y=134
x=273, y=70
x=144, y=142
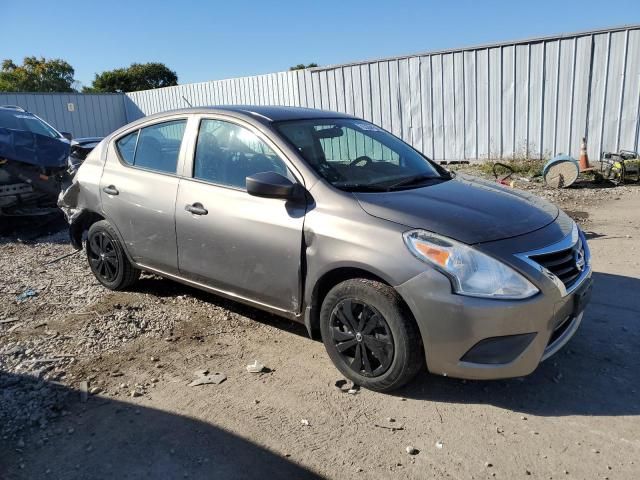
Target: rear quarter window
x=127, y=147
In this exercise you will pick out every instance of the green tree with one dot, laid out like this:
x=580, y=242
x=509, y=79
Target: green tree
x=138, y=76
x=302, y=66
x=37, y=75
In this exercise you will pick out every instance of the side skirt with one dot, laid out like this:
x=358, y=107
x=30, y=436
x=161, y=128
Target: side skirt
x=224, y=293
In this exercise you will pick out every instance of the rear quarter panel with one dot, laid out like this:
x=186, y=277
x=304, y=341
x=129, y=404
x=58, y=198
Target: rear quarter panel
x=88, y=178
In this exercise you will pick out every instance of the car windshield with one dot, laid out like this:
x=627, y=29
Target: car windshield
x=17, y=120
x=354, y=155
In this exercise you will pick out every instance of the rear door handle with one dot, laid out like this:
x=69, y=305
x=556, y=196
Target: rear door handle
x=110, y=190
x=196, y=209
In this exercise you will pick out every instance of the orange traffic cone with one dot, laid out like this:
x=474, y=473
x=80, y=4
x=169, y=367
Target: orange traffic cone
x=584, y=158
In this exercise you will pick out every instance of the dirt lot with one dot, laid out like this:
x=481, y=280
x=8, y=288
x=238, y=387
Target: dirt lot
x=576, y=417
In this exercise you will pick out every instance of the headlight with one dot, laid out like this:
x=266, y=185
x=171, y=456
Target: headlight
x=471, y=272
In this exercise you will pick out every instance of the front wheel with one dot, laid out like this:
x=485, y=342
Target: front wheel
x=107, y=258
x=370, y=335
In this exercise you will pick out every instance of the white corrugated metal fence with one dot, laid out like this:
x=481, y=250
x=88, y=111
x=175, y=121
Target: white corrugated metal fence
x=529, y=98
x=82, y=115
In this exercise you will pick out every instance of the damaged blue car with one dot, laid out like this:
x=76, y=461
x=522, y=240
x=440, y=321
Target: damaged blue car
x=34, y=163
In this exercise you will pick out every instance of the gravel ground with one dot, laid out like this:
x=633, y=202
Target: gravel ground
x=72, y=320
x=141, y=348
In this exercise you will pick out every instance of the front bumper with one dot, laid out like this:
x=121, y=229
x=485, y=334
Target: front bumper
x=477, y=338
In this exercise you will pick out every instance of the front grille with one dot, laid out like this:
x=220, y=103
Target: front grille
x=566, y=264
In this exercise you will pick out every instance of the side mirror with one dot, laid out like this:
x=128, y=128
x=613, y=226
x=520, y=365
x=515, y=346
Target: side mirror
x=67, y=135
x=272, y=185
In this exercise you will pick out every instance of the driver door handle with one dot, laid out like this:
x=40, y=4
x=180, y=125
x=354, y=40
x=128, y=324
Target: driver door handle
x=110, y=190
x=196, y=209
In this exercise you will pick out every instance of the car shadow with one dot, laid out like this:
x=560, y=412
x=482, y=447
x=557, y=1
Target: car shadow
x=50, y=228
x=104, y=438
x=594, y=374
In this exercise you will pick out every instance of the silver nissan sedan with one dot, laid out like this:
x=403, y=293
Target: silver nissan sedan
x=329, y=220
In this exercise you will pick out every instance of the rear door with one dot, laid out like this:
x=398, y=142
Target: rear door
x=231, y=241
x=138, y=190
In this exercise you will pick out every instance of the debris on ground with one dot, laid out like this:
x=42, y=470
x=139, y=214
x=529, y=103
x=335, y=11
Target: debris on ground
x=392, y=428
x=27, y=294
x=503, y=174
x=347, y=387
x=84, y=391
x=62, y=257
x=619, y=167
x=439, y=444
x=561, y=171
x=305, y=422
x=412, y=450
x=206, y=379
x=9, y=320
x=255, y=367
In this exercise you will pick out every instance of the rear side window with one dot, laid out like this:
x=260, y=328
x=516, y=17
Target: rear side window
x=155, y=147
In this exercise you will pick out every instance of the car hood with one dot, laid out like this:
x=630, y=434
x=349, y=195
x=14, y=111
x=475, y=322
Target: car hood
x=32, y=148
x=467, y=209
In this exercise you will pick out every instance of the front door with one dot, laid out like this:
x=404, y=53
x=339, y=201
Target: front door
x=236, y=243
x=138, y=189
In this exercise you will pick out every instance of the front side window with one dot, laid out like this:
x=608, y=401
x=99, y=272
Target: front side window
x=155, y=147
x=354, y=155
x=226, y=154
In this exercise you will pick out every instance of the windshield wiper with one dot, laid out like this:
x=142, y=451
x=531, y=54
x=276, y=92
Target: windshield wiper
x=361, y=187
x=413, y=180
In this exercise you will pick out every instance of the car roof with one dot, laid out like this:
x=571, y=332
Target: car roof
x=280, y=113
x=262, y=113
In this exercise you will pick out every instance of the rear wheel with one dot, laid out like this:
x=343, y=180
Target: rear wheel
x=107, y=258
x=370, y=335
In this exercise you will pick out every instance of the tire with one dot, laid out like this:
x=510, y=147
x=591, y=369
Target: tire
x=107, y=259
x=383, y=329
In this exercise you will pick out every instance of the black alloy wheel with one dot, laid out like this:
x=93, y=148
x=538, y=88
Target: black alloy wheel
x=103, y=256
x=107, y=258
x=362, y=337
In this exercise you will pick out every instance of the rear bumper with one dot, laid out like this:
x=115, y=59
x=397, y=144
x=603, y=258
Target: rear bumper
x=476, y=338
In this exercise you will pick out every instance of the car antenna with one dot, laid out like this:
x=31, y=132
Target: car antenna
x=187, y=101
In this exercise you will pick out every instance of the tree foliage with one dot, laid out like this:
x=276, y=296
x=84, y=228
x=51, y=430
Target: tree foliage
x=302, y=66
x=139, y=76
x=37, y=75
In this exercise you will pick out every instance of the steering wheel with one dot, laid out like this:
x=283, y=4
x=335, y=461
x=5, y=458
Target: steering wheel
x=360, y=159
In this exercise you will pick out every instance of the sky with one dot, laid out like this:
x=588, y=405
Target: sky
x=211, y=40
